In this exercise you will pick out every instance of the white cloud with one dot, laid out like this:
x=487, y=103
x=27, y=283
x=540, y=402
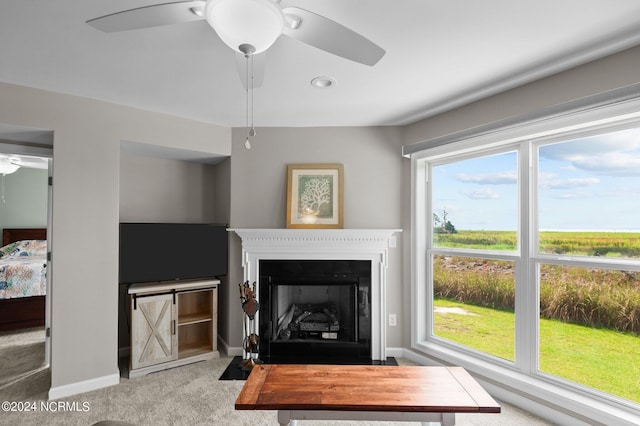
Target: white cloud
x=500, y=178
x=613, y=154
x=611, y=163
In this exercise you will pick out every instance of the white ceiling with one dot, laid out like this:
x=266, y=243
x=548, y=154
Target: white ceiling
x=440, y=54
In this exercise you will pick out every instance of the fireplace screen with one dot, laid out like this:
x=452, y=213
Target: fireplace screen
x=314, y=309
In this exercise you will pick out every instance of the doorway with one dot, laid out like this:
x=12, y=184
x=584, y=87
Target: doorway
x=26, y=169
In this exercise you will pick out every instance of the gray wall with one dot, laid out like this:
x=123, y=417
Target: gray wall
x=615, y=71
x=86, y=151
x=223, y=215
x=373, y=172
x=164, y=190
x=25, y=199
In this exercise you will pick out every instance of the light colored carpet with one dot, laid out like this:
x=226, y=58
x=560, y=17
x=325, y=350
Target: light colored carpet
x=188, y=395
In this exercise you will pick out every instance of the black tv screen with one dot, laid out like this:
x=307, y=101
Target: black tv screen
x=152, y=252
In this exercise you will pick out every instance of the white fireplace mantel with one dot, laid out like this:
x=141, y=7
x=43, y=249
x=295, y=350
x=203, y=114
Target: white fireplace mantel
x=327, y=244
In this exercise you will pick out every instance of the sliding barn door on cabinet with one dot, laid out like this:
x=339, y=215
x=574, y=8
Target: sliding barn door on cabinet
x=153, y=330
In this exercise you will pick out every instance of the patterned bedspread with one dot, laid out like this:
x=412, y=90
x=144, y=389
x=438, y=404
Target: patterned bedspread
x=23, y=269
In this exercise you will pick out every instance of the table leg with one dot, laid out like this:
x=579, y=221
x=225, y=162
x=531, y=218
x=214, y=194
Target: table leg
x=284, y=418
x=448, y=419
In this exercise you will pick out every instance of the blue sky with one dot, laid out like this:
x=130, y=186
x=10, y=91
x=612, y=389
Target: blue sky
x=591, y=183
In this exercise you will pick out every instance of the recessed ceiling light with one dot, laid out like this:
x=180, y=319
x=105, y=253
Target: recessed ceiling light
x=323, y=82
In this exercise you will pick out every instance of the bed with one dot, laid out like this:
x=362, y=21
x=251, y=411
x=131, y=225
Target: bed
x=22, y=278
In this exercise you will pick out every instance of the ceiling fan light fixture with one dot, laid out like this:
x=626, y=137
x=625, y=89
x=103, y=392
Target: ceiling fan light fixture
x=237, y=22
x=7, y=167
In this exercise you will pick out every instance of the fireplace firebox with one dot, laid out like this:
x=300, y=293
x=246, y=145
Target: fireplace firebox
x=315, y=310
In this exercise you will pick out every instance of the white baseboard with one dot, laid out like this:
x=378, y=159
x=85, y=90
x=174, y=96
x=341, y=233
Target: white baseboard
x=223, y=346
x=84, y=386
x=395, y=352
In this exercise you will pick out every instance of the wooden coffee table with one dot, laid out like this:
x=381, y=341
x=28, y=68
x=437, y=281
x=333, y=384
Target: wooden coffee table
x=364, y=392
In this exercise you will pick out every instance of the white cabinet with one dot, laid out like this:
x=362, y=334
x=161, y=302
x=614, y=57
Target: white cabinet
x=172, y=324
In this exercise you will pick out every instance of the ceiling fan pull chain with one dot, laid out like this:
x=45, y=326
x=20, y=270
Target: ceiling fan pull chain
x=252, y=132
x=247, y=144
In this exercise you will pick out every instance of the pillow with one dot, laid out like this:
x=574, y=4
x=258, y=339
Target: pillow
x=36, y=248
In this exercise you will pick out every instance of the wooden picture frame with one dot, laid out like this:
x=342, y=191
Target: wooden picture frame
x=315, y=196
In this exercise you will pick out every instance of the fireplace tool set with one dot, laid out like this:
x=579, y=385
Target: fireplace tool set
x=251, y=341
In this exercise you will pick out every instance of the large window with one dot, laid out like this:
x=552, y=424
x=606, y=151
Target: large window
x=474, y=210
x=531, y=258
x=588, y=196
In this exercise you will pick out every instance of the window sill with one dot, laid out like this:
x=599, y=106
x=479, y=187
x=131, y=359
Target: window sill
x=547, y=399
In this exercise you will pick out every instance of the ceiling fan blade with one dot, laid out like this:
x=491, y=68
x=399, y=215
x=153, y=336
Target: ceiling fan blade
x=31, y=162
x=330, y=36
x=149, y=16
x=259, y=61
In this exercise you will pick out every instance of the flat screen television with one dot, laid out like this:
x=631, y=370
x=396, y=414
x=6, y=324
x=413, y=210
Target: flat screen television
x=153, y=252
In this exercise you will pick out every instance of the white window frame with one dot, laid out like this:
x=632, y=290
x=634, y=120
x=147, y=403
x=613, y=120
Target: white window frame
x=512, y=256
x=520, y=381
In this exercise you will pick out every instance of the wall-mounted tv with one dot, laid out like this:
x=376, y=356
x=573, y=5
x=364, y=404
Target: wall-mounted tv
x=153, y=252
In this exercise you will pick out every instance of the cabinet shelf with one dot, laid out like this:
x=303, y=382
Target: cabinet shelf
x=193, y=350
x=193, y=319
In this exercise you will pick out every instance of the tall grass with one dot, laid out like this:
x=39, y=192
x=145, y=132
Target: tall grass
x=487, y=283
x=598, y=297
x=587, y=296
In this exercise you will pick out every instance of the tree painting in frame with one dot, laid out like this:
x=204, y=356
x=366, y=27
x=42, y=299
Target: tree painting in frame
x=314, y=195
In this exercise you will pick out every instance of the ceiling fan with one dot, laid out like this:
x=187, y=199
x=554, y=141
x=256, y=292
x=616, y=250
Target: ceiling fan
x=11, y=163
x=250, y=27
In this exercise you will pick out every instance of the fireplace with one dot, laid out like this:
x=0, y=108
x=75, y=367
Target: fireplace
x=332, y=269
x=315, y=310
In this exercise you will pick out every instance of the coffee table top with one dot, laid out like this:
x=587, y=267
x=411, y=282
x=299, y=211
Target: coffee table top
x=364, y=388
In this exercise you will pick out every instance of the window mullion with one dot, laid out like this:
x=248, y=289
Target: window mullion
x=526, y=283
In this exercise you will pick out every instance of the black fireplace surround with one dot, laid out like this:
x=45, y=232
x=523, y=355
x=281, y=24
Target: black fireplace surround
x=315, y=311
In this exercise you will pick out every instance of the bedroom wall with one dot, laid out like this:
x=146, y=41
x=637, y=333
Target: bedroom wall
x=25, y=199
x=373, y=173
x=86, y=151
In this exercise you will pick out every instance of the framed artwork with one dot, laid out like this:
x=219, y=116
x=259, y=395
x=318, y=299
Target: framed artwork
x=314, y=195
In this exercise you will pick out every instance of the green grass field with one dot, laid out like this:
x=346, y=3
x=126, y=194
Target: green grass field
x=599, y=358
x=590, y=317
x=610, y=244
